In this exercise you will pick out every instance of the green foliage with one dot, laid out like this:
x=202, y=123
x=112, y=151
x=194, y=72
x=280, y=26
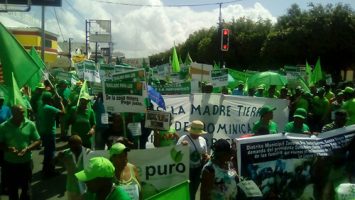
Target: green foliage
x=299, y=35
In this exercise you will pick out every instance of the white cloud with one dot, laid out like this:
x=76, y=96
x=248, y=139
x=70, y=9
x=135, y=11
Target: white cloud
x=143, y=31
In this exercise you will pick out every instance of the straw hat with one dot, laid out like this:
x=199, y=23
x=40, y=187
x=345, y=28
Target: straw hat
x=196, y=128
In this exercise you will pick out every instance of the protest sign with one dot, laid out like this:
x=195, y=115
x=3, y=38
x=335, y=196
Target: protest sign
x=219, y=77
x=157, y=120
x=300, y=163
x=95, y=88
x=174, y=88
x=224, y=116
x=124, y=96
x=159, y=168
x=106, y=72
x=134, y=75
x=87, y=71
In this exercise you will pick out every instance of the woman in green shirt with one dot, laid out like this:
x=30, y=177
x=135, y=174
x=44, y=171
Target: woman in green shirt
x=82, y=120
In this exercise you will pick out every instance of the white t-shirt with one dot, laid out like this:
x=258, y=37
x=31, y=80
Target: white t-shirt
x=201, y=148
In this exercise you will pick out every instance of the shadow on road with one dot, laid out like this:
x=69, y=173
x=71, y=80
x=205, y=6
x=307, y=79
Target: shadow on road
x=48, y=188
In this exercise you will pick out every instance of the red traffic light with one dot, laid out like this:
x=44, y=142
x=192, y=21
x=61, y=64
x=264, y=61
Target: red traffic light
x=225, y=40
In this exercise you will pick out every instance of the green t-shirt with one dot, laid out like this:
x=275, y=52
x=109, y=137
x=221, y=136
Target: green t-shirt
x=320, y=106
x=117, y=194
x=46, y=119
x=349, y=106
x=259, y=129
x=18, y=137
x=290, y=127
x=82, y=121
x=167, y=137
x=302, y=103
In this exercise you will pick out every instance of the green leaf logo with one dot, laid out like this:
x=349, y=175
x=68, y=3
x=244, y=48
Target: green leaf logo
x=176, y=155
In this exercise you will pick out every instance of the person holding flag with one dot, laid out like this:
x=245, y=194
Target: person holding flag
x=47, y=114
x=82, y=118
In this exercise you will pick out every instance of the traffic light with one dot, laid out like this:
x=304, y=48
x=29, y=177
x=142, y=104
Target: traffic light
x=225, y=39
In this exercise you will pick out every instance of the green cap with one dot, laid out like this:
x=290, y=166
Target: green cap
x=265, y=109
x=2, y=96
x=240, y=83
x=40, y=85
x=300, y=113
x=261, y=87
x=348, y=90
x=99, y=167
x=117, y=149
x=85, y=96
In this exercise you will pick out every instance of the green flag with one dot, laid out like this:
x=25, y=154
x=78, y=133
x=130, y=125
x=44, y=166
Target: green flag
x=308, y=74
x=216, y=66
x=303, y=84
x=175, y=62
x=317, y=73
x=188, y=60
x=84, y=92
x=37, y=77
x=179, y=191
x=16, y=95
x=15, y=59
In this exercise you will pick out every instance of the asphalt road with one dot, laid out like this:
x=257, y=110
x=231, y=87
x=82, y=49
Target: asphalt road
x=49, y=188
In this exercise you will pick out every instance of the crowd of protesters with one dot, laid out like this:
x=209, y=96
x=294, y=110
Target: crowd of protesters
x=25, y=127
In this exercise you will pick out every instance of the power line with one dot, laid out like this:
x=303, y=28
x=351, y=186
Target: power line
x=75, y=10
x=170, y=5
x=60, y=29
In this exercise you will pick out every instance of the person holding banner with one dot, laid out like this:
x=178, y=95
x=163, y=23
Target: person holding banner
x=265, y=125
x=164, y=138
x=98, y=177
x=198, y=153
x=126, y=174
x=82, y=119
x=218, y=179
x=73, y=160
x=298, y=125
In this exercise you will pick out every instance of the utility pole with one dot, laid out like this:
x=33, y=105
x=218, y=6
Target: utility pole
x=87, y=31
x=43, y=34
x=70, y=39
x=96, y=47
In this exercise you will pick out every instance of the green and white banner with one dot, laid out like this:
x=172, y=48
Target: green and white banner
x=159, y=168
x=219, y=77
x=124, y=96
x=106, y=72
x=87, y=71
x=174, y=88
x=130, y=76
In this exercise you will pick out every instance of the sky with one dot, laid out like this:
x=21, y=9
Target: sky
x=140, y=31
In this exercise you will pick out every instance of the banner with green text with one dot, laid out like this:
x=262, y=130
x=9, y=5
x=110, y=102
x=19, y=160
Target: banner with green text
x=159, y=168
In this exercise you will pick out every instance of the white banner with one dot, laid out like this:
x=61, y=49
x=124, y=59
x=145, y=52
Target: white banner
x=159, y=168
x=225, y=116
